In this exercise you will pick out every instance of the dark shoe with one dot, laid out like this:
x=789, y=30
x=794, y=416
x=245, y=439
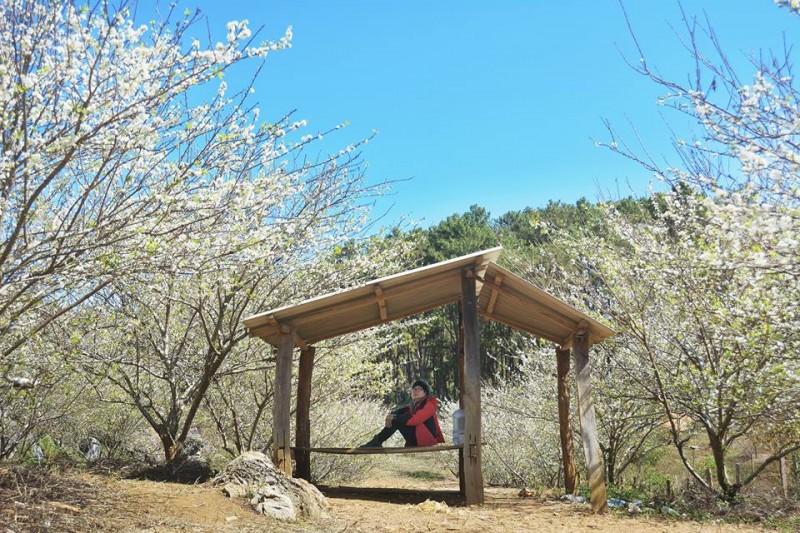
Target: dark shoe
x=371, y=444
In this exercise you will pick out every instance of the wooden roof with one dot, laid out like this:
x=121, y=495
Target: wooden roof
x=507, y=298
x=379, y=301
x=502, y=296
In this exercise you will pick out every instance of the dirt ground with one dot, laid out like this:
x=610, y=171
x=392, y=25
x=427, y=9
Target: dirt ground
x=101, y=503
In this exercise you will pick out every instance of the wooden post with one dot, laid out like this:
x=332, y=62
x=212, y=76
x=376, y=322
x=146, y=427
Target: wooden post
x=462, y=483
x=281, y=402
x=738, y=474
x=564, y=423
x=473, y=476
x=303, y=424
x=591, y=446
x=708, y=478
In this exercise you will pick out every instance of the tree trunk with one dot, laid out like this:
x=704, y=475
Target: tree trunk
x=611, y=472
x=172, y=447
x=729, y=491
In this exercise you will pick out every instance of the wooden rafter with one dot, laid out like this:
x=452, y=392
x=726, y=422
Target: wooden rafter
x=495, y=293
x=530, y=328
x=381, y=302
x=397, y=316
x=263, y=330
x=534, y=307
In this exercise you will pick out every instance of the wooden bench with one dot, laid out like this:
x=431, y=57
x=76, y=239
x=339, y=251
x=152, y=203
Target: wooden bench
x=368, y=451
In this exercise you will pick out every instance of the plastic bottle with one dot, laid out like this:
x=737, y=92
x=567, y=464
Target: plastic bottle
x=458, y=426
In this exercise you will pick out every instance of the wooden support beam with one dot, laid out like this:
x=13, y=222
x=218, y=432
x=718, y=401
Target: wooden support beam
x=381, y=302
x=462, y=483
x=271, y=327
x=282, y=390
x=268, y=323
x=566, y=344
x=303, y=423
x=591, y=445
x=473, y=475
x=564, y=420
x=495, y=293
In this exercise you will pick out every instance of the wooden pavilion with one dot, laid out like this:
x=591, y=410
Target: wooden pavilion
x=482, y=288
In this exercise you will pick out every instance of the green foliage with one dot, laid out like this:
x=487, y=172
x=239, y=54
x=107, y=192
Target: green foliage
x=52, y=451
x=654, y=457
x=427, y=345
x=460, y=235
x=627, y=493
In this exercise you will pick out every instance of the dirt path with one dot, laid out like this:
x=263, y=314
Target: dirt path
x=164, y=507
x=110, y=504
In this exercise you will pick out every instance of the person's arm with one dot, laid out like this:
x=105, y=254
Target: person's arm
x=397, y=415
x=425, y=411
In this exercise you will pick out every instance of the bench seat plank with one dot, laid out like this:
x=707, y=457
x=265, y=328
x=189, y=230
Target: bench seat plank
x=367, y=451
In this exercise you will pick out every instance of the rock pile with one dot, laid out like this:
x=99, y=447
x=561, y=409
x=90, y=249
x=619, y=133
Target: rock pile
x=252, y=475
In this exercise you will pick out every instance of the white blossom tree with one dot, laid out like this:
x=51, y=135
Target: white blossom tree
x=710, y=344
x=708, y=295
x=629, y=426
x=148, y=203
x=240, y=399
x=102, y=156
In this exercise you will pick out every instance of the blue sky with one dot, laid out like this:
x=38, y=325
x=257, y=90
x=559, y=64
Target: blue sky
x=493, y=103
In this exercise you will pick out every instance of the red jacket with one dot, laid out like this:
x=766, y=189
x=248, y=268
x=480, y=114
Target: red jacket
x=423, y=417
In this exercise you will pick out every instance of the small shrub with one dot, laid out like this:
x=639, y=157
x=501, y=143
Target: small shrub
x=344, y=424
x=520, y=434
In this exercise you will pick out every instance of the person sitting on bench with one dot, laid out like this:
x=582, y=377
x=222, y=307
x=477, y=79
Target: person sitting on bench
x=417, y=421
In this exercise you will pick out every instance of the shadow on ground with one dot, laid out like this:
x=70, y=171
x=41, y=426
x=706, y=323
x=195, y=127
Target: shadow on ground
x=189, y=472
x=452, y=497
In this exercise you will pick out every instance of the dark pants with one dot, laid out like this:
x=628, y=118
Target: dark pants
x=409, y=433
